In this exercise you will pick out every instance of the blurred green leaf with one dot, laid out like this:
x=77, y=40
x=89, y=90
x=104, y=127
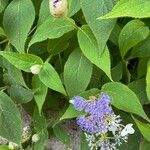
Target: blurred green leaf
x=10, y=119
x=40, y=126
x=89, y=47
x=52, y=28
x=22, y=61
x=129, y=8
x=76, y=77
x=138, y=87
x=101, y=28
x=18, y=19
x=20, y=94
x=142, y=49
x=40, y=92
x=51, y=79
x=84, y=143
x=144, y=128
x=123, y=98
x=2, y=32
x=133, y=32
x=74, y=7
x=61, y=134
x=3, y=4
x=4, y=147
x=145, y=145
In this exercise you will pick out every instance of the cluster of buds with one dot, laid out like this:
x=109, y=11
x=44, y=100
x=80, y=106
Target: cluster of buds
x=58, y=8
x=102, y=128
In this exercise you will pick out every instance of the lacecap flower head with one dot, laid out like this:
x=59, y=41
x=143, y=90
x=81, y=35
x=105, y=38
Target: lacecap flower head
x=102, y=128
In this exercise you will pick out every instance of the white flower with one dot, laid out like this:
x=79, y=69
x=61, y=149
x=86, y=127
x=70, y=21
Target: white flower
x=58, y=8
x=35, y=138
x=12, y=145
x=127, y=130
x=35, y=69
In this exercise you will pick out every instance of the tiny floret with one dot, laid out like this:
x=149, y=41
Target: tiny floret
x=35, y=69
x=101, y=126
x=78, y=102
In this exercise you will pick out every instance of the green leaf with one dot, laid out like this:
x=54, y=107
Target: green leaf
x=44, y=12
x=52, y=28
x=61, y=134
x=41, y=92
x=142, y=67
x=133, y=32
x=14, y=75
x=145, y=145
x=101, y=28
x=58, y=45
x=76, y=77
x=74, y=7
x=40, y=144
x=3, y=4
x=40, y=126
x=148, y=80
x=51, y=79
x=138, y=87
x=84, y=143
x=10, y=119
x=129, y=8
x=71, y=112
x=142, y=49
x=123, y=98
x=22, y=61
x=20, y=94
x=117, y=72
x=18, y=19
x=144, y=128
x=89, y=47
x=4, y=147
x=2, y=32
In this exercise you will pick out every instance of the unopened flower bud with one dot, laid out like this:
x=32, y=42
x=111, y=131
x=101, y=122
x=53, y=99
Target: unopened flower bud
x=12, y=145
x=58, y=8
x=35, y=69
x=35, y=138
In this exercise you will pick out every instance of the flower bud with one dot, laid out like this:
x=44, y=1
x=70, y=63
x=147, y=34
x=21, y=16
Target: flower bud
x=58, y=8
x=35, y=69
x=12, y=145
x=35, y=138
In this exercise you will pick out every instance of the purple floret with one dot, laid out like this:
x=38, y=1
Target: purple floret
x=86, y=124
x=103, y=104
x=79, y=103
x=91, y=107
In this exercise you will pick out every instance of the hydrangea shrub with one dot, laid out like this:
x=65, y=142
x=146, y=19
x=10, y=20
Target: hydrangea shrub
x=80, y=60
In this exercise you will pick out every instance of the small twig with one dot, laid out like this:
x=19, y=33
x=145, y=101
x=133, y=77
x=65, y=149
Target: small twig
x=4, y=41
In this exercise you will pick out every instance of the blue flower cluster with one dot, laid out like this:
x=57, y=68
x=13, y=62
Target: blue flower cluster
x=100, y=121
x=96, y=111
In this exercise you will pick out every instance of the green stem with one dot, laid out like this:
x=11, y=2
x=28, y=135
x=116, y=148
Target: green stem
x=49, y=58
x=4, y=41
x=68, y=19
x=3, y=88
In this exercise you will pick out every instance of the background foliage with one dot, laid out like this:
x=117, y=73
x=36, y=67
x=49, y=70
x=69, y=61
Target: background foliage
x=102, y=45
